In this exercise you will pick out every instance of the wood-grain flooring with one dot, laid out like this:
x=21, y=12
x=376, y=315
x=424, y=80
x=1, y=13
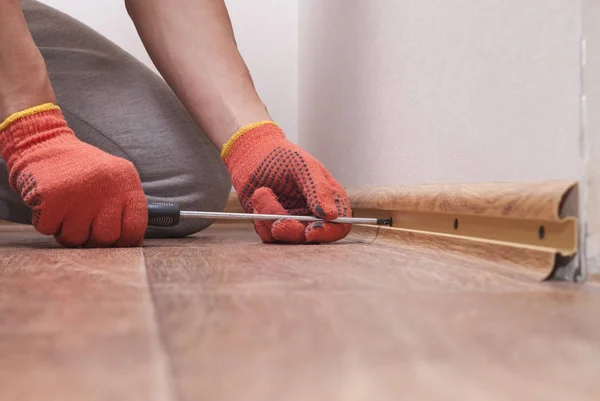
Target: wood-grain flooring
x=76, y=324
x=219, y=316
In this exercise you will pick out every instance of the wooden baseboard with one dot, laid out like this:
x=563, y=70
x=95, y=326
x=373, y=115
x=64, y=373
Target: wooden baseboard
x=533, y=224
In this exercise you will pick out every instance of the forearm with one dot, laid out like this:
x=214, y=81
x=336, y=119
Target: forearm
x=23, y=77
x=191, y=42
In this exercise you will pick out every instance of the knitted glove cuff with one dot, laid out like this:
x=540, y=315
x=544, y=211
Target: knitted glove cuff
x=25, y=113
x=23, y=132
x=239, y=133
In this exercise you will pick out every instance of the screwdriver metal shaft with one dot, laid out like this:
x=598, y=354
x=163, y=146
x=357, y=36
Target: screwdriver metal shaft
x=251, y=216
x=168, y=214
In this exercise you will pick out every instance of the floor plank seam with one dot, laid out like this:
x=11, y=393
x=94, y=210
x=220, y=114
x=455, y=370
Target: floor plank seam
x=163, y=355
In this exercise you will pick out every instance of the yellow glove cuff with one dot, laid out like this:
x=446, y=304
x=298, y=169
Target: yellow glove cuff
x=238, y=134
x=27, y=112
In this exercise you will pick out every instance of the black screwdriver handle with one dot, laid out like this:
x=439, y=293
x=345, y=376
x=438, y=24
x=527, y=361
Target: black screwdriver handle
x=163, y=214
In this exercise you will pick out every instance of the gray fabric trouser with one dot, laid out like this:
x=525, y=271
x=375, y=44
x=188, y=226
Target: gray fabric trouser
x=117, y=104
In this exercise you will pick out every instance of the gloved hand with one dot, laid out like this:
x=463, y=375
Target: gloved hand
x=78, y=193
x=273, y=176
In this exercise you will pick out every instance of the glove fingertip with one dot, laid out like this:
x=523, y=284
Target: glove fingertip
x=264, y=232
x=46, y=224
x=289, y=231
x=264, y=201
x=326, y=211
x=323, y=232
x=134, y=222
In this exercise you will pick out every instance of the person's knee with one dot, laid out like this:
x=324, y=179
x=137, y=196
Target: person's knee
x=207, y=190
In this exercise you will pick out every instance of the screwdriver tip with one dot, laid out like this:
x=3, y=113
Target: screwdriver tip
x=384, y=222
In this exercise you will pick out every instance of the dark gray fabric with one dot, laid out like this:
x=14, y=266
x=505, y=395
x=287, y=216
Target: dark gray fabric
x=117, y=104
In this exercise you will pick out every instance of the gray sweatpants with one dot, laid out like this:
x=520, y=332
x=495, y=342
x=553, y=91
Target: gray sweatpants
x=117, y=104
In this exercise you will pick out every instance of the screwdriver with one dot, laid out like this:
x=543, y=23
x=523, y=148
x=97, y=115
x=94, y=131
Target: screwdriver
x=168, y=214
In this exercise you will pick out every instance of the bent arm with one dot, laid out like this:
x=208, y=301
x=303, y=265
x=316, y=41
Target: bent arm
x=192, y=44
x=23, y=76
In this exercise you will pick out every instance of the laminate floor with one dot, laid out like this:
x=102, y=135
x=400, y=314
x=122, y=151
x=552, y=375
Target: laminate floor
x=220, y=316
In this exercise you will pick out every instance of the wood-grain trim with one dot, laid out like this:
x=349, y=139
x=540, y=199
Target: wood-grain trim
x=526, y=200
x=514, y=213
x=560, y=235
x=496, y=217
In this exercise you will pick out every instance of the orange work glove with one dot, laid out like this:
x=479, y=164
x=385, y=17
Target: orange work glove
x=273, y=176
x=78, y=193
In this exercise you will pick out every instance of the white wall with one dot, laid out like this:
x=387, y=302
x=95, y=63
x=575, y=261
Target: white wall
x=267, y=34
x=591, y=182
x=270, y=47
x=408, y=91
